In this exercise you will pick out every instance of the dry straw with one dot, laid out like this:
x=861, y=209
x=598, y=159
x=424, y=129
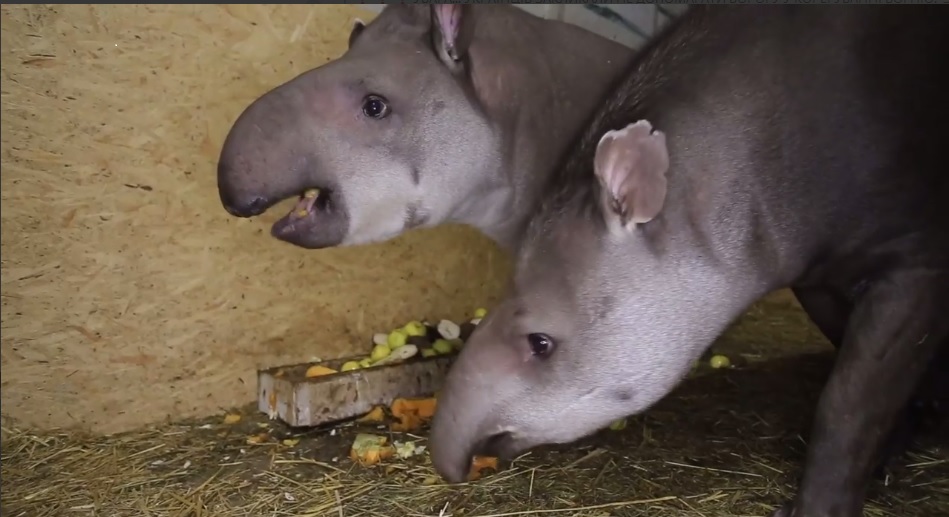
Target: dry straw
x=721, y=446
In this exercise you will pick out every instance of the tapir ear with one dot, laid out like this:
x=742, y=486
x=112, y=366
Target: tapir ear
x=358, y=26
x=449, y=37
x=631, y=165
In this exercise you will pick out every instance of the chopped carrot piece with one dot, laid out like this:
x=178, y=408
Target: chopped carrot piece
x=481, y=463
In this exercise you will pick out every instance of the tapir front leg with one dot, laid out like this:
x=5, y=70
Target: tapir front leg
x=892, y=338
x=830, y=312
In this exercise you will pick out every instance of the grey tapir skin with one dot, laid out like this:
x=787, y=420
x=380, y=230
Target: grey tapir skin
x=469, y=108
x=748, y=149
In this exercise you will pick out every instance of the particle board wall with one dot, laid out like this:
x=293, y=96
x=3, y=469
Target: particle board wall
x=128, y=295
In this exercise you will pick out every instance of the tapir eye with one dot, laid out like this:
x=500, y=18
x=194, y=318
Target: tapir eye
x=541, y=344
x=374, y=106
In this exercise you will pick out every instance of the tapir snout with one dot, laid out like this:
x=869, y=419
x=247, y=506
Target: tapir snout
x=259, y=140
x=272, y=153
x=364, y=141
x=513, y=388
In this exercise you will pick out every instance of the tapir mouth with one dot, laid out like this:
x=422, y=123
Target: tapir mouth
x=502, y=445
x=311, y=223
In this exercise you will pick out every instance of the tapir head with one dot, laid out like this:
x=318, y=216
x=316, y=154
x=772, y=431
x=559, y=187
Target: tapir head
x=589, y=332
x=381, y=140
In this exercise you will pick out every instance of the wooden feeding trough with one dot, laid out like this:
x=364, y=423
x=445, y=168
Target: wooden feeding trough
x=286, y=393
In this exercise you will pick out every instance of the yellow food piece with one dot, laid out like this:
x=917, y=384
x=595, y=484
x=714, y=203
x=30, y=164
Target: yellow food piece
x=377, y=414
x=442, y=346
x=397, y=338
x=719, y=361
x=618, y=425
x=414, y=328
x=232, y=418
x=290, y=442
x=481, y=463
x=349, y=365
x=480, y=313
x=365, y=362
x=257, y=438
x=311, y=193
x=369, y=449
x=317, y=370
x=302, y=213
x=428, y=352
x=379, y=352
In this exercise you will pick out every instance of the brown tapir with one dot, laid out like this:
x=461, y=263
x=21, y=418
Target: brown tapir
x=748, y=149
x=435, y=113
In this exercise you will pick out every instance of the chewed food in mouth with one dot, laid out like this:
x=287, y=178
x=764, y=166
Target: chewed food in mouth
x=303, y=214
x=306, y=204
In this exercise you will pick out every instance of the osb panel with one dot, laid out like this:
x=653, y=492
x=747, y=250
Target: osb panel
x=128, y=294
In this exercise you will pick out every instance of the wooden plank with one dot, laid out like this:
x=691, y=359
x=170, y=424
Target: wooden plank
x=285, y=393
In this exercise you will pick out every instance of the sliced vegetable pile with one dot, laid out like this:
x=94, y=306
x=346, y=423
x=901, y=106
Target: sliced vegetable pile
x=414, y=338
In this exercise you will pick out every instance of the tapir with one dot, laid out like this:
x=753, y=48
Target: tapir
x=748, y=149
x=435, y=114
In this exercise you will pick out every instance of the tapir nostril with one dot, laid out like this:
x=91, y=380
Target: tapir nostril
x=256, y=206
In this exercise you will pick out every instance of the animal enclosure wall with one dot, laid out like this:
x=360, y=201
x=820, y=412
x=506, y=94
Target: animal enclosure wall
x=129, y=295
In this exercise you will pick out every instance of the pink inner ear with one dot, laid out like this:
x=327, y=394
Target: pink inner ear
x=631, y=164
x=448, y=17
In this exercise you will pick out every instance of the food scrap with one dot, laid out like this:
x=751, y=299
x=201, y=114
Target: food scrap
x=317, y=370
x=369, y=449
x=442, y=346
x=481, y=463
x=258, y=438
x=408, y=449
x=377, y=414
x=396, y=338
x=411, y=413
x=719, y=361
x=618, y=425
x=379, y=352
x=232, y=418
x=449, y=329
x=415, y=328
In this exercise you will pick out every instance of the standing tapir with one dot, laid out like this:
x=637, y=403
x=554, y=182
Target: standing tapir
x=748, y=149
x=435, y=114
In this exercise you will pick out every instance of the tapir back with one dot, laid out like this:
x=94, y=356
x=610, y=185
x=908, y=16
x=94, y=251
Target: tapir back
x=820, y=127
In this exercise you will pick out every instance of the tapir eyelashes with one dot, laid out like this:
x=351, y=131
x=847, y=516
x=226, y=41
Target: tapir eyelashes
x=541, y=344
x=374, y=106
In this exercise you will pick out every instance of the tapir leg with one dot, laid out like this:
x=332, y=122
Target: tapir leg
x=892, y=339
x=830, y=313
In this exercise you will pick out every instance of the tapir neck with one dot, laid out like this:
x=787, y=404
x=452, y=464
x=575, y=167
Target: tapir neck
x=539, y=84
x=715, y=250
